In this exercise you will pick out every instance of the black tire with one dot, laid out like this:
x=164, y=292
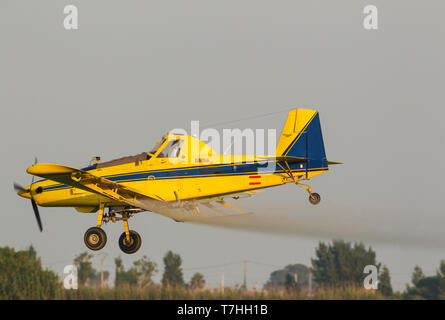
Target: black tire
x=133, y=246
x=314, y=198
x=95, y=238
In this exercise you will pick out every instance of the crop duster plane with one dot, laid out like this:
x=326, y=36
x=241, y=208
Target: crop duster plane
x=181, y=178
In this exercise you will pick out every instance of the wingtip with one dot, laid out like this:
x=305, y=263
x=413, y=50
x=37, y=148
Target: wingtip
x=48, y=168
x=30, y=169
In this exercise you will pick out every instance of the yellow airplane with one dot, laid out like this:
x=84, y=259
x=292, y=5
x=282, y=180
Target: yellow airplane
x=181, y=178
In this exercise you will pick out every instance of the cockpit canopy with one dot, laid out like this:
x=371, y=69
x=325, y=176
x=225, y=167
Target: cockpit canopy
x=172, y=149
x=169, y=150
x=157, y=146
x=184, y=146
x=187, y=149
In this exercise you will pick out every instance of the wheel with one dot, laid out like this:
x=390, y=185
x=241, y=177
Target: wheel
x=314, y=198
x=95, y=238
x=133, y=246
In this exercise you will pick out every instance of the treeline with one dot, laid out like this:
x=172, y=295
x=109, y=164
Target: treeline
x=22, y=276
x=139, y=275
x=337, y=272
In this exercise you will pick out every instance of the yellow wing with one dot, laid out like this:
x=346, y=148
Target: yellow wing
x=86, y=181
x=178, y=210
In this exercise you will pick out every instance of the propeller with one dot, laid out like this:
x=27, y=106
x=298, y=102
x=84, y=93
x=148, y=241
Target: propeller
x=36, y=213
x=35, y=208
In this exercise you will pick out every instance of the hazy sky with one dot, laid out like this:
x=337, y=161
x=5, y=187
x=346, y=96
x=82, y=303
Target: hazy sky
x=136, y=69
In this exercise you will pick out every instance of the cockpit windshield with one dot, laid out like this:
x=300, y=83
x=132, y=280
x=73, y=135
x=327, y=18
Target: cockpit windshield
x=156, y=147
x=171, y=150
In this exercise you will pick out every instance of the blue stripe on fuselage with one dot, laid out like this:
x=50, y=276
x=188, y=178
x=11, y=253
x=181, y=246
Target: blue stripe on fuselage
x=196, y=172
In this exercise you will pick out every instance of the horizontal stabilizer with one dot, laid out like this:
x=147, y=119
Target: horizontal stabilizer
x=335, y=162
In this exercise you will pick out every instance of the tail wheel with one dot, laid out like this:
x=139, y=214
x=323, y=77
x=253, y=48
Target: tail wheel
x=134, y=244
x=314, y=198
x=95, y=238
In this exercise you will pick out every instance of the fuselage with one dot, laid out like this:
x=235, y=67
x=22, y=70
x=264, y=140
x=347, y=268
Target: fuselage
x=186, y=177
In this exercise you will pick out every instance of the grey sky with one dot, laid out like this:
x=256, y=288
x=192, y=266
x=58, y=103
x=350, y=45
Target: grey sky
x=136, y=69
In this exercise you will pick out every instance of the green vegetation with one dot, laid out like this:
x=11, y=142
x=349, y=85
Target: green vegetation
x=432, y=287
x=336, y=273
x=197, y=281
x=140, y=275
x=173, y=293
x=385, y=282
x=172, y=270
x=292, y=277
x=22, y=276
x=341, y=263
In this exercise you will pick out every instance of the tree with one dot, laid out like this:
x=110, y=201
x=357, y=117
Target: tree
x=23, y=277
x=342, y=263
x=278, y=277
x=140, y=274
x=95, y=279
x=290, y=282
x=85, y=270
x=122, y=276
x=32, y=253
x=441, y=271
x=417, y=275
x=427, y=287
x=145, y=269
x=441, y=276
x=385, y=282
x=172, y=270
x=197, y=281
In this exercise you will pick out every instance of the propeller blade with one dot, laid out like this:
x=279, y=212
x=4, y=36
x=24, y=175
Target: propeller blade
x=18, y=187
x=36, y=213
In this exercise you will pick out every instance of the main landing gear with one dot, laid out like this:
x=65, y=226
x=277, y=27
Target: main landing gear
x=95, y=238
x=129, y=242
x=132, y=245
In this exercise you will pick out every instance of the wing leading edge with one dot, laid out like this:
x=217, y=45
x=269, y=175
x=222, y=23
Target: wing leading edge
x=183, y=210
x=86, y=181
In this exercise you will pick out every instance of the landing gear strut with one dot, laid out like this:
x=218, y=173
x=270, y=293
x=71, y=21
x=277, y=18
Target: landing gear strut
x=95, y=238
x=130, y=241
x=314, y=197
x=130, y=246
